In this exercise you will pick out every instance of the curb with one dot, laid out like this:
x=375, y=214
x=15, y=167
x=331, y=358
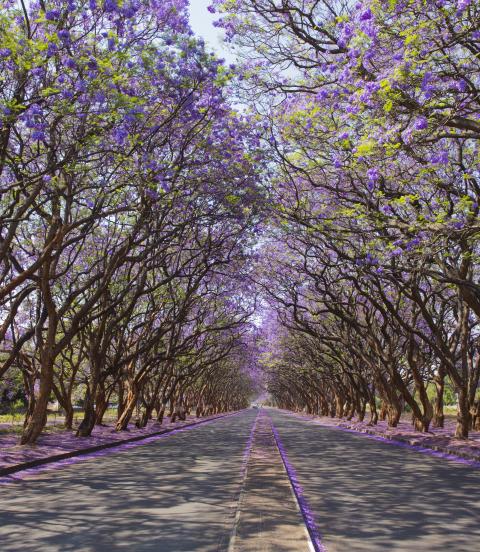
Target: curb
x=415, y=444
x=89, y=450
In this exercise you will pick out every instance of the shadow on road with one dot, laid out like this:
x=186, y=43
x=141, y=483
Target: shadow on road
x=373, y=496
x=174, y=495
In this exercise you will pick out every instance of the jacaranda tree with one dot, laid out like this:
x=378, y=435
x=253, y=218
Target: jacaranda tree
x=373, y=119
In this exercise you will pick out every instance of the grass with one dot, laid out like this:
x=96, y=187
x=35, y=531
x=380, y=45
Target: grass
x=15, y=420
x=11, y=418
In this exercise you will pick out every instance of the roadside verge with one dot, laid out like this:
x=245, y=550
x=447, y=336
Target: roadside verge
x=114, y=443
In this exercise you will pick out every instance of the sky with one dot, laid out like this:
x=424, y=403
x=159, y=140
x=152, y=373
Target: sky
x=201, y=21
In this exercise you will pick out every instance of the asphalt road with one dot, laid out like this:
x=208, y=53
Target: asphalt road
x=176, y=495
x=371, y=496
x=173, y=495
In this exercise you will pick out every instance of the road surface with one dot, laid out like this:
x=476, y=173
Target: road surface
x=372, y=496
x=181, y=494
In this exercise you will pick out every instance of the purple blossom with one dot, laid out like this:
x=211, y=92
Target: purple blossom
x=35, y=109
x=81, y=86
x=440, y=158
x=120, y=135
x=38, y=135
x=348, y=31
x=110, y=6
x=426, y=85
x=370, y=259
x=366, y=15
x=421, y=123
x=52, y=15
x=64, y=35
x=51, y=49
x=164, y=185
x=373, y=176
x=413, y=243
x=70, y=63
x=153, y=194
x=37, y=72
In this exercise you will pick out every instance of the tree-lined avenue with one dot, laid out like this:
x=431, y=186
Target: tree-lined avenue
x=177, y=495
x=183, y=237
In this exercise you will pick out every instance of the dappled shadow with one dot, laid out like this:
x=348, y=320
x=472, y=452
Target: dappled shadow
x=57, y=441
x=172, y=495
x=367, y=495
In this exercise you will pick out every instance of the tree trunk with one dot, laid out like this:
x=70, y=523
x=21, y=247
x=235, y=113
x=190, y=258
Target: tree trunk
x=30, y=408
x=101, y=405
x=88, y=423
x=339, y=405
x=393, y=415
x=161, y=414
x=476, y=416
x=120, y=405
x=36, y=422
x=383, y=412
x=438, y=414
x=463, y=415
x=145, y=417
x=362, y=411
x=373, y=416
x=69, y=417
x=126, y=415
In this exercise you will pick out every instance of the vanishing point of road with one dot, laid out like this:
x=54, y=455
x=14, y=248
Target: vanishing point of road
x=259, y=480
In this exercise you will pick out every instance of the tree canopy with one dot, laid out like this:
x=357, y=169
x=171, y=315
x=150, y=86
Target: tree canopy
x=176, y=230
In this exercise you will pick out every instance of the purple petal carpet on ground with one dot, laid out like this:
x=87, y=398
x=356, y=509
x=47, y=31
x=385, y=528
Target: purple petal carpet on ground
x=463, y=454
